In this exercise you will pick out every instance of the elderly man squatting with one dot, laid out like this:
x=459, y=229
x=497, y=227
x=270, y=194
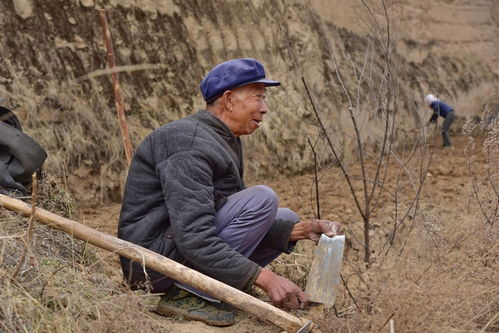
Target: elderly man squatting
x=185, y=199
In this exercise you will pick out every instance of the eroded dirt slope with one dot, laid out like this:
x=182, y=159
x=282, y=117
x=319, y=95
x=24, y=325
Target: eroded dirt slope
x=52, y=52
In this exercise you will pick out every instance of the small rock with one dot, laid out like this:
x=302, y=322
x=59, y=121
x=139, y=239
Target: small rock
x=79, y=42
x=72, y=20
x=23, y=8
x=140, y=55
x=87, y=3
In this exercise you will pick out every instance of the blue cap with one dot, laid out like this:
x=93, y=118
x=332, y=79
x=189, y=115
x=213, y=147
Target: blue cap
x=232, y=74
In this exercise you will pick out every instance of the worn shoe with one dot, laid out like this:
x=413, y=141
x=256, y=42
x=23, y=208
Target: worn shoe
x=177, y=301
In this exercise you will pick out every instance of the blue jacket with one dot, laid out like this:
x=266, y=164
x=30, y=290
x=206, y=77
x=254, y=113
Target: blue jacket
x=440, y=108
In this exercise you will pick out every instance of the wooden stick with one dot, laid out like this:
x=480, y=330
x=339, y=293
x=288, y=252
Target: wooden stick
x=165, y=266
x=116, y=87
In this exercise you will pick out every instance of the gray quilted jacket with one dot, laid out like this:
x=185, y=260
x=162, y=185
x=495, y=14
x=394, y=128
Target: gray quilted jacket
x=179, y=177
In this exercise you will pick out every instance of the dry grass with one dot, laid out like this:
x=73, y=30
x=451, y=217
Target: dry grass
x=442, y=274
x=61, y=286
x=442, y=271
x=443, y=280
x=77, y=126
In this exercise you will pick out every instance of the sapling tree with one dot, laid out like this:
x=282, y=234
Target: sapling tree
x=389, y=164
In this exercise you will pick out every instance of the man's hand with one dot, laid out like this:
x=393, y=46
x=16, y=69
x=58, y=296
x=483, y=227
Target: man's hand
x=282, y=292
x=314, y=229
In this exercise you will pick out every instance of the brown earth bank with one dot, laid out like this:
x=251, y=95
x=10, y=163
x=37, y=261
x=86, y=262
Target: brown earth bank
x=53, y=57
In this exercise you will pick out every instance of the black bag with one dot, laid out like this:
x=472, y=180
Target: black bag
x=20, y=155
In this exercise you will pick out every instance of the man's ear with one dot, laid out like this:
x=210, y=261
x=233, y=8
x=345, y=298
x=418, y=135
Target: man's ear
x=227, y=99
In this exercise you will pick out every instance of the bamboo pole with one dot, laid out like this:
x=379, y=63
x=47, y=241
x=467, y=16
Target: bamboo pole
x=116, y=86
x=165, y=266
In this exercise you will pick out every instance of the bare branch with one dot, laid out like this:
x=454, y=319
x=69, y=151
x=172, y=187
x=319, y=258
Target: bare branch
x=317, y=201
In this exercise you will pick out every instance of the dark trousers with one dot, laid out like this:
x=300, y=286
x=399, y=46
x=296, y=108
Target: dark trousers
x=449, y=118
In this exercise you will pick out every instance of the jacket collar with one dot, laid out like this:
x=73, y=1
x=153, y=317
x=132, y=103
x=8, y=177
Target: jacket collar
x=219, y=127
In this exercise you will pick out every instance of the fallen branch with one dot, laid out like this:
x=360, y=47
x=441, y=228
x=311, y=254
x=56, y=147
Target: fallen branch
x=118, y=69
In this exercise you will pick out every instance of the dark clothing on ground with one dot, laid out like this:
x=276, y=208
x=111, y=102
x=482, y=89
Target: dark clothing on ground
x=443, y=110
x=20, y=156
x=180, y=176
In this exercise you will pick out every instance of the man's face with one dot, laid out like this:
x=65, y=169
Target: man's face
x=246, y=108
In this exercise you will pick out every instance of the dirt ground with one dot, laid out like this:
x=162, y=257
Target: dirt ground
x=443, y=195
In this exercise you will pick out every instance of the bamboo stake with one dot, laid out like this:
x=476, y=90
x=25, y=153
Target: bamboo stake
x=165, y=266
x=116, y=86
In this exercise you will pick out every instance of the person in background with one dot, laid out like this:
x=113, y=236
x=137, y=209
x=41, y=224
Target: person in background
x=185, y=199
x=443, y=110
